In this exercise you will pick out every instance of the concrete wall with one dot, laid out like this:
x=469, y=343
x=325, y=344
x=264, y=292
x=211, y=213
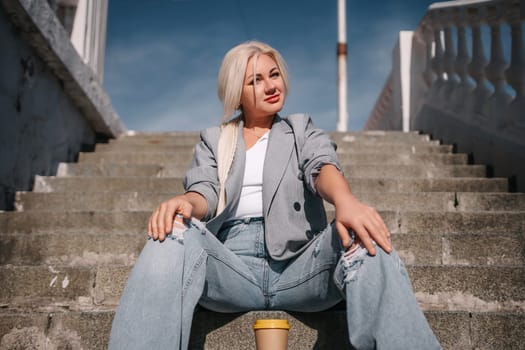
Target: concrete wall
x=504, y=156
x=48, y=112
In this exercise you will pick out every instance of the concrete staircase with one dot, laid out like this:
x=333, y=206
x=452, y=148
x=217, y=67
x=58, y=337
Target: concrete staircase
x=66, y=251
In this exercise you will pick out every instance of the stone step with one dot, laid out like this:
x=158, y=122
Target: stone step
x=133, y=201
x=174, y=185
x=175, y=139
x=102, y=222
x=175, y=170
x=450, y=288
x=92, y=249
x=89, y=330
x=184, y=159
x=327, y=330
x=186, y=141
x=445, y=201
x=343, y=147
x=192, y=141
x=193, y=137
x=392, y=138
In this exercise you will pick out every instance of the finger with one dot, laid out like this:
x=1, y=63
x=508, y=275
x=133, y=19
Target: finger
x=366, y=240
x=186, y=210
x=150, y=229
x=381, y=223
x=153, y=222
x=160, y=230
x=344, y=235
x=379, y=235
x=383, y=242
x=169, y=215
x=160, y=222
x=383, y=234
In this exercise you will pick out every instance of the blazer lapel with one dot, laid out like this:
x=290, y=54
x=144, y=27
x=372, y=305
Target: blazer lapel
x=280, y=147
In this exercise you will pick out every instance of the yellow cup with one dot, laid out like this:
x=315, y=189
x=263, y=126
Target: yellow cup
x=271, y=334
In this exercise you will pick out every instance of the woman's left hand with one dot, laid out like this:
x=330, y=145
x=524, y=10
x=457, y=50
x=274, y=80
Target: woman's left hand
x=350, y=213
x=365, y=221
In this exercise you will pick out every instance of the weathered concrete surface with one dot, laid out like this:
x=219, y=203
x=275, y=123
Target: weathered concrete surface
x=51, y=107
x=132, y=222
x=365, y=170
x=55, y=330
x=171, y=137
x=446, y=287
x=92, y=249
x=213, y=331
x=40, y=125
x=67, y=253
x=184, y=159
x=397, y=201
x=354, y=147
x=505, y=155
x=359, y=184
x=39, y=25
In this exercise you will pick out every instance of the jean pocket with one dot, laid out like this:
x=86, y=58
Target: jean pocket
x=229, y=233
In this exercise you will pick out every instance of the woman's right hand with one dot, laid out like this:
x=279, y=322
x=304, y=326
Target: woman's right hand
x=161, y=221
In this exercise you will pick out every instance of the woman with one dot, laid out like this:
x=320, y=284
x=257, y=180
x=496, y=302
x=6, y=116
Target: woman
x=254, y=232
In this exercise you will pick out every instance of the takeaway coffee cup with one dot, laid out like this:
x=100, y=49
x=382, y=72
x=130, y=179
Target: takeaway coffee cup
x=271, y=334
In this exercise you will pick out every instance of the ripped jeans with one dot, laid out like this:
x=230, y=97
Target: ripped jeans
x=232, y=272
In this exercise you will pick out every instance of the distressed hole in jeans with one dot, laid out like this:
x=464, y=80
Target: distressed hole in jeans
x=352, y=261
x=179, y=227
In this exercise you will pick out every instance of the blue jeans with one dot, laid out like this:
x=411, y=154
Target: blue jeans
x=232, y=272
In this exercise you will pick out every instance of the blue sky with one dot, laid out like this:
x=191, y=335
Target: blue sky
x=163, y=56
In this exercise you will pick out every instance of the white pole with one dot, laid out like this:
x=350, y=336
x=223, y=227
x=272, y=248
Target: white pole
x=405, y=57
x=342, y=113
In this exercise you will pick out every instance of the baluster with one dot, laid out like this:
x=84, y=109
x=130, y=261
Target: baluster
x=476, y=68
x=437, y=61
x=449, y=58
x=461, y=65
x=495, y=69
x=428, y=73
x=515, y=74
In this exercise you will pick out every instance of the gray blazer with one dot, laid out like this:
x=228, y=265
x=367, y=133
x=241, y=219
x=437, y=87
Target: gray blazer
x=292, y=208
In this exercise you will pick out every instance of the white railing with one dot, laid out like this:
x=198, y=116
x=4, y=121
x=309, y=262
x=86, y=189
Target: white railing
x=449, y=70
x=85, y=22
x=89, y=33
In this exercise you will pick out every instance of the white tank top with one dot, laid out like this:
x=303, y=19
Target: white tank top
x=250, y=203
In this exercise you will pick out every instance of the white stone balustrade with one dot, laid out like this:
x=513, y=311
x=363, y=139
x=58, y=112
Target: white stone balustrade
x=460, y=71
x=486, y=91
x=515, y=73
x=85, y=22
x=464, y=87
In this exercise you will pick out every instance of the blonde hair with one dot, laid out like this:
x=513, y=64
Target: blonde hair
x=233, y=68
